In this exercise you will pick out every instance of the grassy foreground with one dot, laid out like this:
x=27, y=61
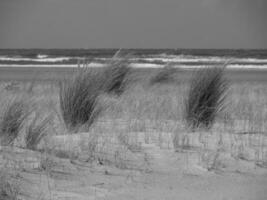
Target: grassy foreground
x=52, y=128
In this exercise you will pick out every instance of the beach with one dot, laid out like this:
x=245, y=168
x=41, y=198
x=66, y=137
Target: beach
x=140, y=145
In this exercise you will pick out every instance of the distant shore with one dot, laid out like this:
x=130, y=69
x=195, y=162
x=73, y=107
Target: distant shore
x=60, y=72
x=138, y=65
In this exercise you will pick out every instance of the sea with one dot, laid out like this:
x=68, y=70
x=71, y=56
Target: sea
x=151, y=58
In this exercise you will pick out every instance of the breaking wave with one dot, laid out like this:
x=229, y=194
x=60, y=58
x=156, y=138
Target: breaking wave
x=39, y=58
x=140, y=58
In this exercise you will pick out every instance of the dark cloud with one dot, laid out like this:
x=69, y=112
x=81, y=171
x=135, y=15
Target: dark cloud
x=133, y=23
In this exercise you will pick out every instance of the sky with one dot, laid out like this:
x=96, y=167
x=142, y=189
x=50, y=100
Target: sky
x=133, y=24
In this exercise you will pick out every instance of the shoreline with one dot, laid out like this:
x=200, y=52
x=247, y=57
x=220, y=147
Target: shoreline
x=183, y=73
x=137, y=65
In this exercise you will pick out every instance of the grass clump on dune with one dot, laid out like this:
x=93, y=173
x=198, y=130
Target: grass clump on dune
x=117, y=75
x=36, y=130
x=164, y=75
x=206, y=97
x=12, y=119
x=9, y=189
x=79, y=97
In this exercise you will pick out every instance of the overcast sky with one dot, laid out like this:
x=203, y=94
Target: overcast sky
x=133, y=23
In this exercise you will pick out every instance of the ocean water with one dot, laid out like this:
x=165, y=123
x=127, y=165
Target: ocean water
x=183, y=58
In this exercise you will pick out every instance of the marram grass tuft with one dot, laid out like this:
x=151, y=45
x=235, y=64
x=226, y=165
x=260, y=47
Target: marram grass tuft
x=206, y=97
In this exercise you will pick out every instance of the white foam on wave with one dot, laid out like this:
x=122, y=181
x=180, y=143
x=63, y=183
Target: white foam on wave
x=51, y=65
x=40, y=58
x=163, y=58
x=230, y=66
x=197, y=59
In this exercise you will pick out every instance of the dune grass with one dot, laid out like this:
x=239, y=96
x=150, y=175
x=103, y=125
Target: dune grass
x=79, y=97
x=164, y=75
x=117, y=74
x=9, y=189
x=14, y=114
x=147, y=108
x=205, y=98
x=37, y=130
